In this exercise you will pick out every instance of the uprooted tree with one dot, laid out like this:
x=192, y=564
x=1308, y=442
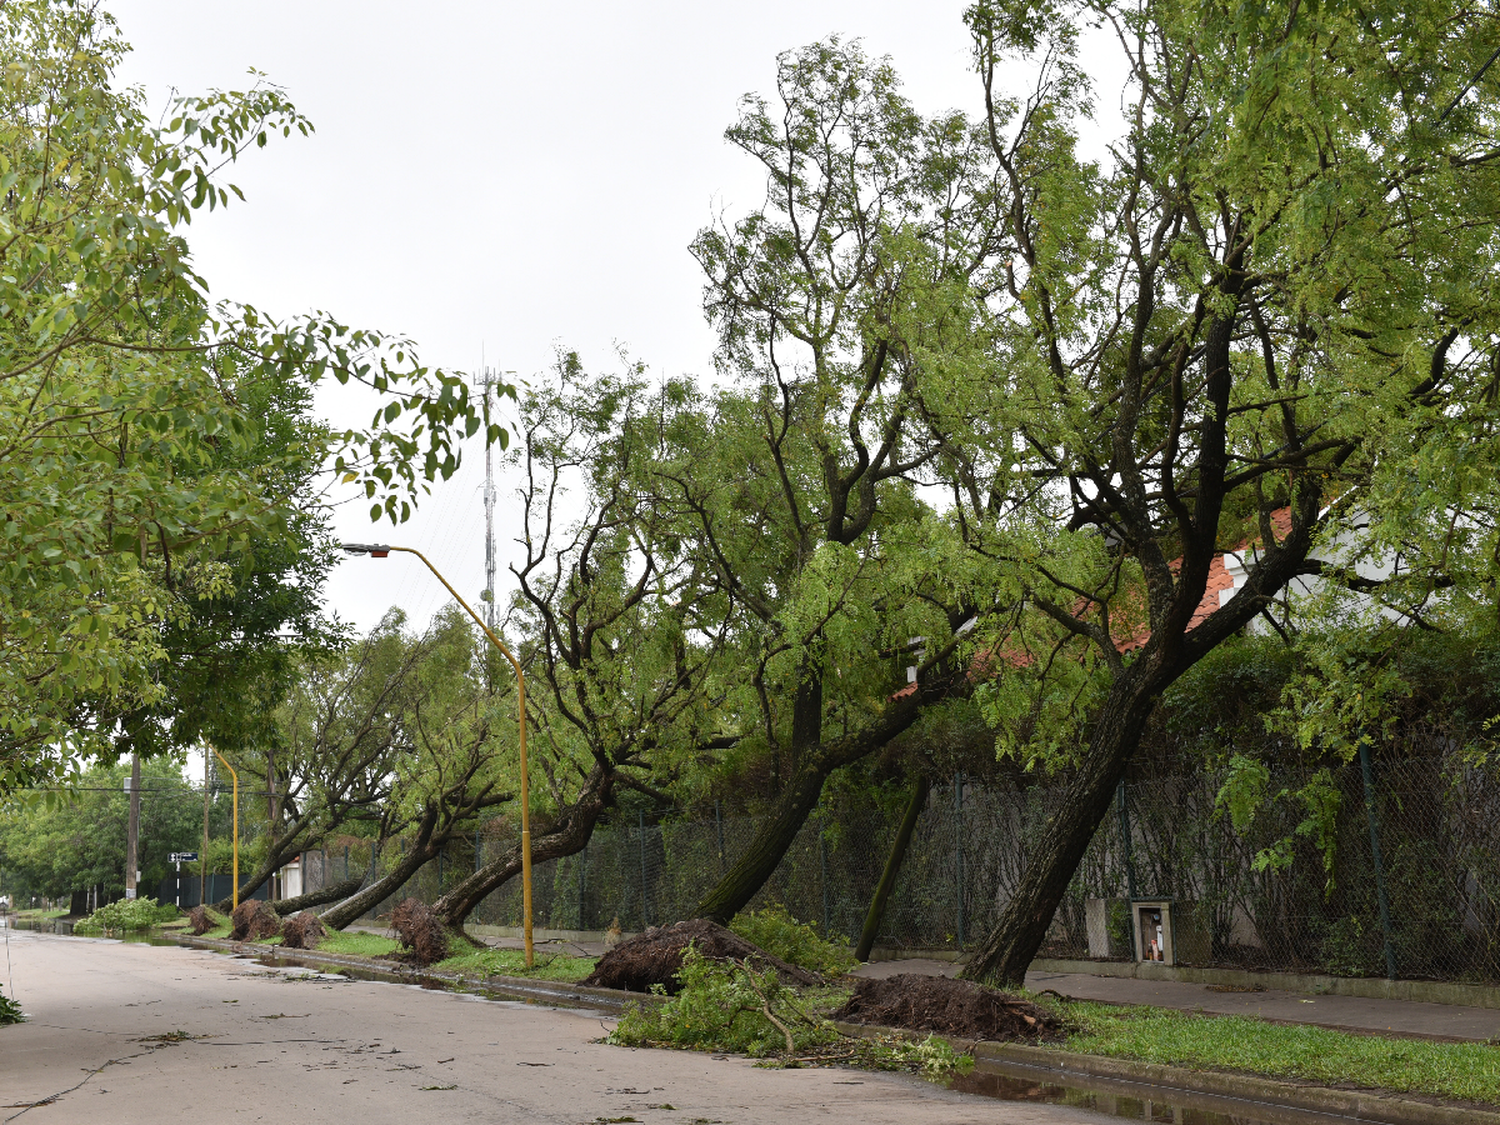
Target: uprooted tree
x=1276, y=292
x=620, y=630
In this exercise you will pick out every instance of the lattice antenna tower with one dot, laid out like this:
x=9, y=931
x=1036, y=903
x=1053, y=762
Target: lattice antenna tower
x=489, y=510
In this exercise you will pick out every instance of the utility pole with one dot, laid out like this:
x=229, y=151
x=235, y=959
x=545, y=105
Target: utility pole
x=489, y=511
x=133, y=831
x=208, y=771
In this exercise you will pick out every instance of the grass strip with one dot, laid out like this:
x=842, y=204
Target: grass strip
x=1467, y=1071
x=512, y=963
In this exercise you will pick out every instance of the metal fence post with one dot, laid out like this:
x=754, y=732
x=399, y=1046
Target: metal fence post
x=583, y=862
x=645, y=910
x=1124, y=807
x=823, y=864
x=1385, y=906
x=958, y=812
x=719, y=826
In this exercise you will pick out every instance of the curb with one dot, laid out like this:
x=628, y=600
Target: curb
x=553, y=992
x=1065, y=1068
x=1059, y=1066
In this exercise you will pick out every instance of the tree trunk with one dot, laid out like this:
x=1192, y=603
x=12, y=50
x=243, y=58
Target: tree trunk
x=281, y=852
x=797, y=801
x=368, y=897
x=1005, y=954
x=892, y=869
x=567, y=836
x=334, y=893
x=757, y=862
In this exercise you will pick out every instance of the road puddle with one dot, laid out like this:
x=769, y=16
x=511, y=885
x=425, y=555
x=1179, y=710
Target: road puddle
x=1016, y=1082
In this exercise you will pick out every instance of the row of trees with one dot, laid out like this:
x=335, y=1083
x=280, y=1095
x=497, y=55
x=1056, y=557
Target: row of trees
x=988, y=408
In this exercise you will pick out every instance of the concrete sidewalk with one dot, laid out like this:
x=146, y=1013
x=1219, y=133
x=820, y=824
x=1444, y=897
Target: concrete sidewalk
x=1348, y=1013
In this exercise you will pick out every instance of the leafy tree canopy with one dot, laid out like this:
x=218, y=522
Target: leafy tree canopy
x=138, y=456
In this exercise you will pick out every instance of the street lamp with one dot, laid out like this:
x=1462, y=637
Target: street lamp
x=236, y=777
x=380, y=551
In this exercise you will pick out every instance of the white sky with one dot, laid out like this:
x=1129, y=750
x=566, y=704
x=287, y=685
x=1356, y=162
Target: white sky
x=498, y=179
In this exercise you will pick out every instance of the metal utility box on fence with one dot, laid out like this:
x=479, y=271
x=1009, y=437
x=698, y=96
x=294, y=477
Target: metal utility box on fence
x=1152, y=919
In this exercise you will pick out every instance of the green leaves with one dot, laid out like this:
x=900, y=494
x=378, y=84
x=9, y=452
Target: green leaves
x=143, y=432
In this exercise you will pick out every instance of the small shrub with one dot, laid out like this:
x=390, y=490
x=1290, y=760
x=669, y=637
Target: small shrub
x=124, y=916
x=10, y=1011
x=303, y=931
x=420, y=930
x=254, y=919
x=779, y=934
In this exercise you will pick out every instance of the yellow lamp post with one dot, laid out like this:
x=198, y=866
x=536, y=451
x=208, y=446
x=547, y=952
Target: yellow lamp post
x=236, y=806
x=380, y=551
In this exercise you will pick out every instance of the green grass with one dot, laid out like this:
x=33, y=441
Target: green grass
x=1470, y=1071
x=356, y=944
x=512, y=963
x=42, y=915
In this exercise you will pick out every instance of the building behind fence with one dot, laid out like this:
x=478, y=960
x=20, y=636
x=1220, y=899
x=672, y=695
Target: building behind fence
x=1435, y=822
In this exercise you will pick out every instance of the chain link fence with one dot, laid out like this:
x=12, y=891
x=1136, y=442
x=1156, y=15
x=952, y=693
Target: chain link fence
x=1258, y=897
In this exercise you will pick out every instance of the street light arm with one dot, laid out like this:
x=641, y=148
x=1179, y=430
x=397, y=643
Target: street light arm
x=382, y=550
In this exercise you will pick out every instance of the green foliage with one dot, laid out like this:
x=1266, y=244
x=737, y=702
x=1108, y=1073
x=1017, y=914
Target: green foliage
x=74, y=840
x=933, y=1056
x=10, y=1011
x=775, y=930
x=125, y=916
x=156, y=449
x=730, y=1007
x=356, y=944
x=727, y=1007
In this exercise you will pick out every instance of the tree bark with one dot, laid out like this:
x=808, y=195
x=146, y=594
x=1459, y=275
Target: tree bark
x=1004, y=955
x=366, y=898
x=568, y=835
x=756, y=864
x=892, y=869
x=760, y=859
x=277, y=857
x=333, y=893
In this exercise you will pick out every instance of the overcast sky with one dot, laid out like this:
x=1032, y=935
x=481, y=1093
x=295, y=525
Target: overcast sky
x=498, y=180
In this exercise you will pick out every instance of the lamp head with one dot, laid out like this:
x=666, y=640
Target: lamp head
x=374, y=550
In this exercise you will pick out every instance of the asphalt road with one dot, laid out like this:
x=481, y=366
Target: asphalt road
x=124, y=1033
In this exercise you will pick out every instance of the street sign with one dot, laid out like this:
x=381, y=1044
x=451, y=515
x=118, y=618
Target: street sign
x=184, y=857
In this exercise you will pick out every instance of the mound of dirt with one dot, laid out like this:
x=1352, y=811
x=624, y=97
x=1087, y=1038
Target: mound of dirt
x=655, y=956
x=303, y=931
x=254, y=919
x=199, y=922
x=959, y=1008
x=420, y=930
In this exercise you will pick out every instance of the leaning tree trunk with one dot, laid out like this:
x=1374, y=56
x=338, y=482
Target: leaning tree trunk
x=568, y=835
x=1005, y=954
x=750, y=872
x=278, y=857
x=334, y=893
x=355, y=906
x=757, y=862
x=893, y=863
